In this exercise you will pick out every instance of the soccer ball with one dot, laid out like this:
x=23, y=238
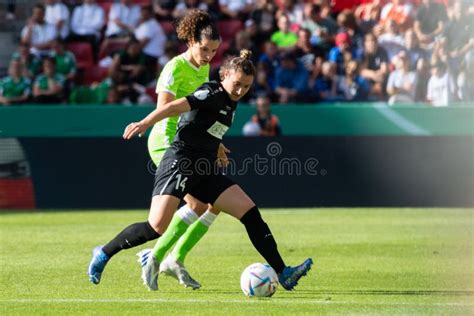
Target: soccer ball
x=259, y=280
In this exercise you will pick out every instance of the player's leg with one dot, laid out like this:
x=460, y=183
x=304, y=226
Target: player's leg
x=194, y=234
x=235, y=202
x=182, y=219
x=173, y=265
x=162, y=209
x=133, y=235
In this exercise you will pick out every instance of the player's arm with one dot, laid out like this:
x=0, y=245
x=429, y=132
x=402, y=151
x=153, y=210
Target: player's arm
x=173, y=108
x=164, y=98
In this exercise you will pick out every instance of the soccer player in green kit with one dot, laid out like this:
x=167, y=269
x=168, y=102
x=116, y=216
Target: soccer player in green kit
x=180, y=77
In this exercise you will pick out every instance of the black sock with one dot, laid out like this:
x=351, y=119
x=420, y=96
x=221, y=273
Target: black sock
x=132, y=236
x=262, y=239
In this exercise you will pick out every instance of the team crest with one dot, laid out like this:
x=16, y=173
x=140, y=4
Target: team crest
x=201, y=94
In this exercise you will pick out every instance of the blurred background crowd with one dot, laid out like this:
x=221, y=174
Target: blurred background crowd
x=112, y=52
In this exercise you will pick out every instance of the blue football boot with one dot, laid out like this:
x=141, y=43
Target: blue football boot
x=290, y=275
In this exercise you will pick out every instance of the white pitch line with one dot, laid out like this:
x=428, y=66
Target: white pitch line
x=265, y=301
x=399, y=120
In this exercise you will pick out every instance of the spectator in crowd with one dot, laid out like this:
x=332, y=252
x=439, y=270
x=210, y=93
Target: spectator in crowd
x=291, y=80
x=326, y=8
x=15, y=88
x=123, y=19
x=57, y=14
x=325, y=85
x=429, y=21
x=163, y=9
x=284, y=38
x=419, y=62
x=31, y=64
x=128, y=65
x=241, y=41
x=368, y=15
x=459, y=35
x=250, y=27
x=268, y=62
x=348, y=24
x=465, y=80
x=38, y=34
x=261, y=85
x=401, y=12
x=98, y=93
x=236, y=9
x=322, y=29
x=264, y=17
x=64, y=60
x=342, y=52
x=87, y=22
x=391, y=39
x=352, y=86
x=412, y=47
x=401, y=85
x=269, y=123
x=185, y=5
x=305, y=52
x=49, y=86
x=151, y=37
x=293, y=10
x=441, y=86
x=374, y=66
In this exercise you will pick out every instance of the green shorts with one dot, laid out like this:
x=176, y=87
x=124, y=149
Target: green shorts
x=158, y=143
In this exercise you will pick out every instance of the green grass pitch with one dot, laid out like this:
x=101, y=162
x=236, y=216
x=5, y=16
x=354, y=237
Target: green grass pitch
x=367, y=261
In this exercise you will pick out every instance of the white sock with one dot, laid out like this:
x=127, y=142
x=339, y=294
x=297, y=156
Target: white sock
x=207, y=218
x=187, y=214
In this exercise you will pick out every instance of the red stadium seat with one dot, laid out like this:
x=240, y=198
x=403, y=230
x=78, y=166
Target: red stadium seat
x=229, y=28
x=168, y=27
x=143, y=2
x=94, y=74
x=17, y=193
x=152, y=93
x=83, y=53
x=106, y=6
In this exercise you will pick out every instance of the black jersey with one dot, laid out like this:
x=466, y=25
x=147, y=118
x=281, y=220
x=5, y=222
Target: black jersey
x=211, y=115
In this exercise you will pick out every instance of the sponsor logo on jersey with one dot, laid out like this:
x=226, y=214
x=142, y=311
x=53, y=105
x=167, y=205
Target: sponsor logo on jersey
x=218, y=130
x=201, y=94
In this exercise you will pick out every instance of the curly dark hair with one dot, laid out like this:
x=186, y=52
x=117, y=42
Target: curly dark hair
x=196, y=25
x=242, y=63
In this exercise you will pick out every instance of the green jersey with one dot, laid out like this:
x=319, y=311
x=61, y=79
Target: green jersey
x=43, y=83
x=33, y=66
x=11, y=88
x=179, y=78
x=284, y=39
x=65, y=63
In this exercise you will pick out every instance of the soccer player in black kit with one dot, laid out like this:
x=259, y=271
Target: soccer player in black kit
x=206, y=115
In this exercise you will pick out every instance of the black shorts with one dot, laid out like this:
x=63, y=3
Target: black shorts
x=181, y=172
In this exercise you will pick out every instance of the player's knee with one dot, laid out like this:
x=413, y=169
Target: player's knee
x=197, y=206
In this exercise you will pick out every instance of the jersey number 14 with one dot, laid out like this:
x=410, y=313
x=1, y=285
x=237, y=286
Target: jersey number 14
x=181, y=183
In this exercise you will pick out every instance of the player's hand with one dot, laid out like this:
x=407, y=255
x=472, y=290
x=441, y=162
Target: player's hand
x=222, y=159
x=133, y=129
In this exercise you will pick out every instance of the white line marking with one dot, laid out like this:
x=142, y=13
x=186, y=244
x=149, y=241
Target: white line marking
x=243, y=301
x=399, y=120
